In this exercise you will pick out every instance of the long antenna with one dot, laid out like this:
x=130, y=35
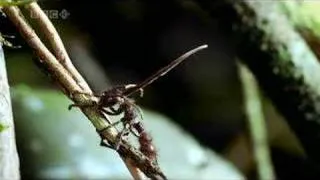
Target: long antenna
x=164, y=70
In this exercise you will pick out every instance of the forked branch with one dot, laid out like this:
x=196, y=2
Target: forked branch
x=70, y=87
x=59, y=66
x=54, y=39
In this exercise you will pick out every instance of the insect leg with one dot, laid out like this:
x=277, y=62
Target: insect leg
x=112, y=112
x=136, y=128
x=79, y=105
x=134, y=133
x=105, y=144
x=130, y=88
x=72, y=94
x=108, y=112
x=116, y=111
x=123, y=133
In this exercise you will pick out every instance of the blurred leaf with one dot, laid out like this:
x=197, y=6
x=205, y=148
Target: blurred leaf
x=55, y=143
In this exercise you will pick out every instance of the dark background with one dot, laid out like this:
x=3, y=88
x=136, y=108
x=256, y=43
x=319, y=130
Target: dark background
x=132, y=39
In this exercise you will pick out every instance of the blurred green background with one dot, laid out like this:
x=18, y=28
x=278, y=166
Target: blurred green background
x=122, y=42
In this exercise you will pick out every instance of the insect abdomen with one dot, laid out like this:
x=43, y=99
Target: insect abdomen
x=146, y=146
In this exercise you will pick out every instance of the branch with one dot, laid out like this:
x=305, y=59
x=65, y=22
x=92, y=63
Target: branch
x=283, y=64
x=58, y=48
x=9, y=160
x=72, y=89
x=256, y=123
x=42, y=52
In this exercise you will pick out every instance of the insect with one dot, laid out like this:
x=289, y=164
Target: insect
x=117, y=100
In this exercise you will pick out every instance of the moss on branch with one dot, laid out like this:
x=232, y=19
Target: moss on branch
x=282, y=62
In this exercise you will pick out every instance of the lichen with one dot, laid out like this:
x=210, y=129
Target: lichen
x=3, y=127
x=303, y=14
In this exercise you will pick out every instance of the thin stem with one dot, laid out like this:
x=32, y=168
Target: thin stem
x=59, y=50
x=72, y=90
x=256, y=122
x=41, y=50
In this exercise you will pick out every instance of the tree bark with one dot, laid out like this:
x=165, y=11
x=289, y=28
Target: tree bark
x=9, y=161
x=285, y=67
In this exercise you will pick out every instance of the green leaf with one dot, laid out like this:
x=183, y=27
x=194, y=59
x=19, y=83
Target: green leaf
x=15, y=2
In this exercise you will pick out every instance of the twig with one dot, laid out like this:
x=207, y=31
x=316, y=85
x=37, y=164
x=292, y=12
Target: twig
x=72, y=88
x=43, y=53
x=256, y=122
x=136, y=174
x=58, y=48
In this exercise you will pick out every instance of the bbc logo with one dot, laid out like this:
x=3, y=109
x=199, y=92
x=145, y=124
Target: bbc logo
x=53, y=14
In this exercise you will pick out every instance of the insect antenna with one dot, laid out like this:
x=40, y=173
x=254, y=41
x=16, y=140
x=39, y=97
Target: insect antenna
x=164, y=70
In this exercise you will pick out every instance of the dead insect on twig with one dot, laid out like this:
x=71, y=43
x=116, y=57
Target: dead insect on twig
x=119, y=96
